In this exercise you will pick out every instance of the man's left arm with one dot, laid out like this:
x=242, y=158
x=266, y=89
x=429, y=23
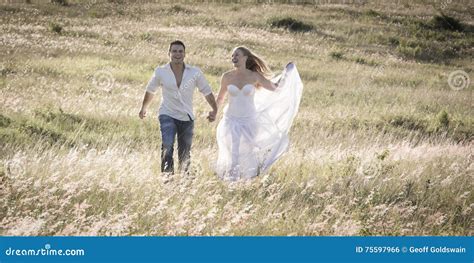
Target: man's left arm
x=212, y=101
x=205, y=89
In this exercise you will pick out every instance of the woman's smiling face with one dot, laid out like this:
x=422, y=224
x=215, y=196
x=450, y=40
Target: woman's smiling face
x=238, y=58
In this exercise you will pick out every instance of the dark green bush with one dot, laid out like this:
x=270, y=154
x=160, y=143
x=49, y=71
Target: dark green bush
x=336, y=54
x=291, y=24
x=444, y=22
x=60, y=2
x=56, y=28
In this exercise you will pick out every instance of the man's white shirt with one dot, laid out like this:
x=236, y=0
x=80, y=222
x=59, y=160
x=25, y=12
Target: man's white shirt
x=177, y=102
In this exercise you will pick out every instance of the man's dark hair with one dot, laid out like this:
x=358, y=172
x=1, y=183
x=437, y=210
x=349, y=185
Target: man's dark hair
x=177, y=42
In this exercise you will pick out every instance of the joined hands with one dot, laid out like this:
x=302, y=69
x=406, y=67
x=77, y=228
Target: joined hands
x=212, y=116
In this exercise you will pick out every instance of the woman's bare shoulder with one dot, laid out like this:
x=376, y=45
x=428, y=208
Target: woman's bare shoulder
x=257, y=75
x=228, y=73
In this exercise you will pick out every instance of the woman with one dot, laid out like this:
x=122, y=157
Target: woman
x=253, y=132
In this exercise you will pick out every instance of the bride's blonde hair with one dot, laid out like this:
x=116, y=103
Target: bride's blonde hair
x=255, y=63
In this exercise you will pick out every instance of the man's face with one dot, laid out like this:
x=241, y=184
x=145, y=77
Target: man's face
x=177, y=54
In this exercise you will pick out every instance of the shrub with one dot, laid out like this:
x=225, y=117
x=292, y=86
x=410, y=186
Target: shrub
x=145, y=36
x=56, y=28
x=60, y=2
x=336, y=54
x=99, y=13
x=176, y=9
x=360, y=61
x=4, y=121
x=444, y=22
x=372, y=13
x=291, y=24
x=393, y=41
x=408, y=122
x=409, y=49
x=7, y=68
x=443, y=119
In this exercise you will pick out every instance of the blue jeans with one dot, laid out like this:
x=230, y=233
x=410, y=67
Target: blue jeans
x=170, y=128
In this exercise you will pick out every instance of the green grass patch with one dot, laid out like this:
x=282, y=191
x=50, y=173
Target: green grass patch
x=55, y=28
x=337, y=55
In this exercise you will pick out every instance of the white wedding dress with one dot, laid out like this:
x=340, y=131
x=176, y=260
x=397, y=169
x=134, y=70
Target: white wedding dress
x=253, y=133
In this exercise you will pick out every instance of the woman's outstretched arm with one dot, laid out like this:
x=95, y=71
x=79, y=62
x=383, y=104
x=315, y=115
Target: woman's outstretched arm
x=265, y=83
x=269, y=85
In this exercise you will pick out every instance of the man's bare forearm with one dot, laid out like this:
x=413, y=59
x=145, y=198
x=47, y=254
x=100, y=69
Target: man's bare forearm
x=212, y=101
x=147, y=100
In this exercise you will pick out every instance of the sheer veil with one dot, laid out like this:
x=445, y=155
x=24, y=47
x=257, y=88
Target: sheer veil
x=275, y=114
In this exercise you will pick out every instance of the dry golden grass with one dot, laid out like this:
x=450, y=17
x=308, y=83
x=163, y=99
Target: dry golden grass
x=381, y=146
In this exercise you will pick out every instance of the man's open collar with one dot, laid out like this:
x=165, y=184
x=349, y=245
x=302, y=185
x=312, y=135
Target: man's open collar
x=186, y=66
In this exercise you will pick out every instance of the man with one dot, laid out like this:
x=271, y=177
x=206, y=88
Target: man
x=178, y=81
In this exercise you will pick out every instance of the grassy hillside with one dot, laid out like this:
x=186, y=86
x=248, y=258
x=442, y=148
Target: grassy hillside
x=382, y=144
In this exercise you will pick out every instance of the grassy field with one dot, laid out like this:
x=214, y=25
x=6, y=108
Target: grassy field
x=382, y=144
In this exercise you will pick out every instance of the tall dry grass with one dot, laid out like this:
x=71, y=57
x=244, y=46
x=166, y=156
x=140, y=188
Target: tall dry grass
x=381, y=146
